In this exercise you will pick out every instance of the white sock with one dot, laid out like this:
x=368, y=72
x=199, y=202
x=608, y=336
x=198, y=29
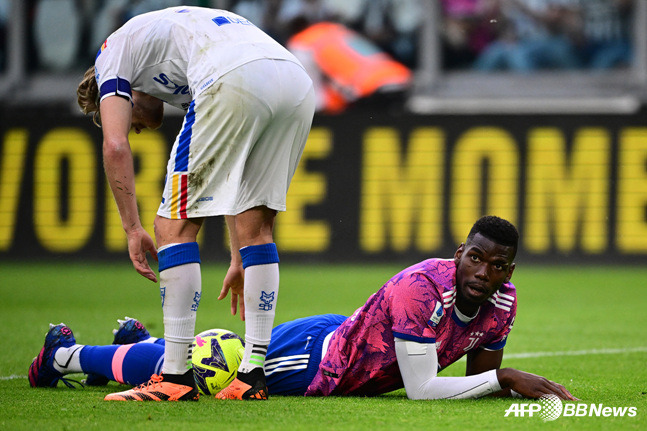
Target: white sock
x=67, y=360
x=261, y=292
x=181, y=287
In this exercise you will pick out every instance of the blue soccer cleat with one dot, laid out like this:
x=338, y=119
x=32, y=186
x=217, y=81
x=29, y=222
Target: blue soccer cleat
x=41, y=371
x=130, y=331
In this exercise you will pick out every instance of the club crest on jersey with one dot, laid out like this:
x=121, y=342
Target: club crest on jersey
x=436, y=315
x=475, y=336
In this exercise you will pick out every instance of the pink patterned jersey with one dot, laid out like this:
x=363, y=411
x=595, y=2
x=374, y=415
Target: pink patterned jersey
x=416, y=304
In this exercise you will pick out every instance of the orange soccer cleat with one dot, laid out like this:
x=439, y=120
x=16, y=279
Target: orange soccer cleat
x=157, y=390
x=240, y=390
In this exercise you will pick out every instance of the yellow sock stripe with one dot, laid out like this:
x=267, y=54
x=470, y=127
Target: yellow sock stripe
x=175, y=196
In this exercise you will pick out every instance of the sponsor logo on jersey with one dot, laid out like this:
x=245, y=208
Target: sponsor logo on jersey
x=164, y=80
x=222, y=20
x=206, y=84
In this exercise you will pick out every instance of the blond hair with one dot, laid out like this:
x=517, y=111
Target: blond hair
x=87, y=96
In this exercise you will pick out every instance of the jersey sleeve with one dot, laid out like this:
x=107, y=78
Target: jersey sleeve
x=418, y=366
x=114, y=67
x=501, y=338
x=414, y=308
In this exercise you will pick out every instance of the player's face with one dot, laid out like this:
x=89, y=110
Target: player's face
x=148, y=112
x=482, y=266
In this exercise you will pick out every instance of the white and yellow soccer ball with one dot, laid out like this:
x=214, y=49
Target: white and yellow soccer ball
x=216, y=356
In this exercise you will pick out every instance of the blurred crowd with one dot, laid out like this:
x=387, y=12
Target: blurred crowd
x=529, y=35
x=484, y=35
x=63, y=34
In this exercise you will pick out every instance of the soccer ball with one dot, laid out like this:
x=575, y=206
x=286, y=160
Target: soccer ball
x=216, y=356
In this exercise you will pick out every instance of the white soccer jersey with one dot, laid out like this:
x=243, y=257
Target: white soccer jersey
x=174, y=54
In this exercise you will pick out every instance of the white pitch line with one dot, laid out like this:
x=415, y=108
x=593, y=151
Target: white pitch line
x=13, y=377
x=505, y=356
x=575, y=353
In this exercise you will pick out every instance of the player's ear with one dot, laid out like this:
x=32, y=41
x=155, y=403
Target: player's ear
x=459, y=253
x=510, y=271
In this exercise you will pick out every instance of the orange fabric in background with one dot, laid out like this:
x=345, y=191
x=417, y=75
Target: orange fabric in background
x=353, y=64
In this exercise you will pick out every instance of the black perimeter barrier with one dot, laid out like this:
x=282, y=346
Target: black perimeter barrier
x=369, y=188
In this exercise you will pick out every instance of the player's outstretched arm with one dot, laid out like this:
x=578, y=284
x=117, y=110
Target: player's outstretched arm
x=418, y=363
x=480, y=361
x=531, y=385
x=235, y=279
x=525, y=384
x=118, y=163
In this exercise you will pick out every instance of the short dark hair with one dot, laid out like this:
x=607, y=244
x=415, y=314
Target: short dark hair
x=498, y=230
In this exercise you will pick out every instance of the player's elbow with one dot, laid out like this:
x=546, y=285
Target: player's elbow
x=421, y=395
x=414, y=395
x=116, y=149
x=418, y=393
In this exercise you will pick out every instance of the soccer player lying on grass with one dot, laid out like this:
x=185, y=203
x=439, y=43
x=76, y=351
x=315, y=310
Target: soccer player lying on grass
x=422, y=320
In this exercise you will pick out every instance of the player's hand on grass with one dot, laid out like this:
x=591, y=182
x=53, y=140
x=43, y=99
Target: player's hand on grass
x=234, y=281
x=140, y=242
x=531, y=385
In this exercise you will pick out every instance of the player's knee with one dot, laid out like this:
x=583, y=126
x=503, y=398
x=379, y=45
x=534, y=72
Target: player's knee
x=168, y=231
x=255, y=226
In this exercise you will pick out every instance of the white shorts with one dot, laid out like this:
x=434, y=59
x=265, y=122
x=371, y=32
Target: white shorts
x=240, y=142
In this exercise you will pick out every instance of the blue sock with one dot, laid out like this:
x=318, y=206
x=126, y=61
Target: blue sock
x=132, y=364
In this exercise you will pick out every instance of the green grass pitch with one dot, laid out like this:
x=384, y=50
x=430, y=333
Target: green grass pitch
x=585, y=327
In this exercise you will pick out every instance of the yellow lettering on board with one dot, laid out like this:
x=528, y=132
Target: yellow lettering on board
x=632, y=191
x=402, y=194
x=475, y=149
x=12, y=169
x=294, y=232
x=567, y=196
x=56, y=232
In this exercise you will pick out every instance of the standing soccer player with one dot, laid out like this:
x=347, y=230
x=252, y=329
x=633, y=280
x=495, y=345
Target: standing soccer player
x=249, y=107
